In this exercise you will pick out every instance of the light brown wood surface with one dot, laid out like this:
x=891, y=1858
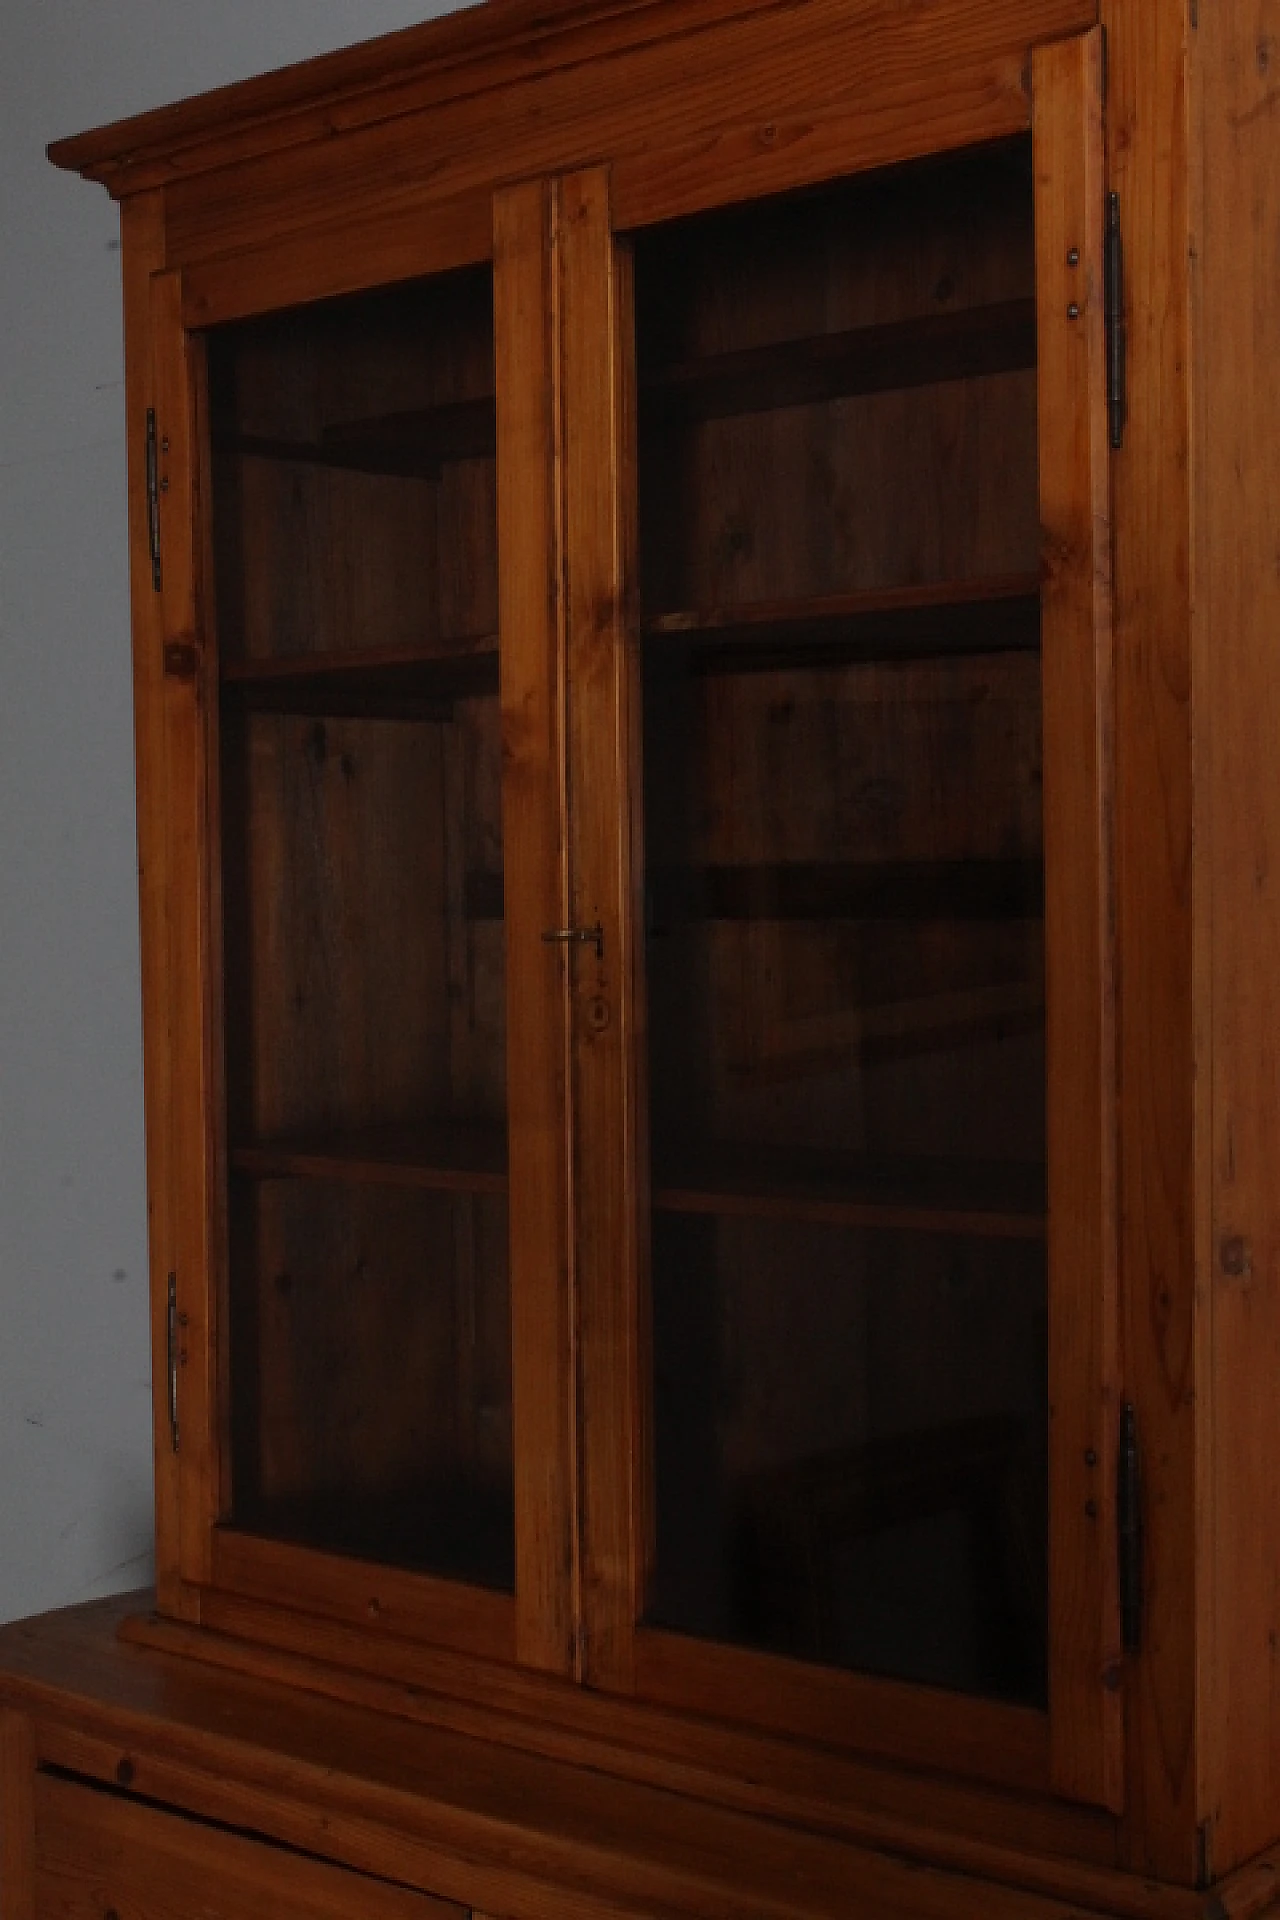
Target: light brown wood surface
x=17, y=1816
x=142, y=241
x=487, y=50
x=145, y=1865
x=470, y=1822
x=1160, y=1006
x=528, y=320
x=599, y=509
x=738, y=1767
x=1085, y=1674
x=1237, y=429
x=189, y=1108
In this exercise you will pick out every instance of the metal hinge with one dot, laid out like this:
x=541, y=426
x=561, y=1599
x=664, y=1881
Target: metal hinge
x=1113, y=308
x=153, y=497
x=171, y=1333
x=1129, y=1531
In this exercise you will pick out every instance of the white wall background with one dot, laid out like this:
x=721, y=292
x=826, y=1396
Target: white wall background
x=75, y=1467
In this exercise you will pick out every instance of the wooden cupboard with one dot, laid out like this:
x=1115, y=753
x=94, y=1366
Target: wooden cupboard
x=702, y=586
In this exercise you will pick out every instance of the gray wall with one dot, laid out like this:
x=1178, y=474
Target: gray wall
x=75, y=1468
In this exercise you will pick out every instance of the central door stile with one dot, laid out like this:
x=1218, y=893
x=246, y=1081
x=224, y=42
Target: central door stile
x=605, y=977
x=531, y=562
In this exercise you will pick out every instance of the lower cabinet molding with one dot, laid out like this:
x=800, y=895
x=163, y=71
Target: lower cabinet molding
x=138, y=1785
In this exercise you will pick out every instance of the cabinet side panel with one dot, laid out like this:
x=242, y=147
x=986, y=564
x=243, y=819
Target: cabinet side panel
x=143, y=241
x=531, y=622
x=1084, y=1662
x=17, y=1818
x=1237, y=53
x=1162, y=1326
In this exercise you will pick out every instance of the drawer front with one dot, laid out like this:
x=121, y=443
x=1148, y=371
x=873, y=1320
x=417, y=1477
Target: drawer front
x=100, y=1857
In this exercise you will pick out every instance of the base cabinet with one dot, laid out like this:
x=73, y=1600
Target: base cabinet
x=148, y=1785
x=99, y=1854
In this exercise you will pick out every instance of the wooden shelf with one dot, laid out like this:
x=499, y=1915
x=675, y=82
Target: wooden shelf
x=848, y=890
x=972, y=1198
x=918, y=352
x=982, y=1200
x=411, y=445
x=449, y=1158
x=950, y=618
x=390, y=683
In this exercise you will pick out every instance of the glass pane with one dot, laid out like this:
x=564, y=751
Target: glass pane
x=845, y=953
x=364, y=967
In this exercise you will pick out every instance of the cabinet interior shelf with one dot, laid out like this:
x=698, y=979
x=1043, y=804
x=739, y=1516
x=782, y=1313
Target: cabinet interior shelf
x=922, y=351
x=974, y=1199
x=410, y=445
x=847, y=890
x=460, y=1157
x=944, y=619
x=929, y=348
x=392, y=683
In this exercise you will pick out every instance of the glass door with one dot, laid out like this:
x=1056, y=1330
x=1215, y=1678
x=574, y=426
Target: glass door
x=845, y=925
x=367, y=1377
x=878, y=1363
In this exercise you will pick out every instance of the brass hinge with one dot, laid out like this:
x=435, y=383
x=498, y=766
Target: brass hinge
x=153, y=497
x=1113, y=308
x=171, y=1334
x=1129, y=1531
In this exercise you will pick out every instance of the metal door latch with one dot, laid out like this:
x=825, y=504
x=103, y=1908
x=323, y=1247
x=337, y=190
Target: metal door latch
x=589, y=936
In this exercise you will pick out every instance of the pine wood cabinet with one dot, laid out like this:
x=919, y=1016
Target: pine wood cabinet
x=702, y=589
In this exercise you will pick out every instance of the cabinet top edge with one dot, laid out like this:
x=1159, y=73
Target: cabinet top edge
x=469, y=49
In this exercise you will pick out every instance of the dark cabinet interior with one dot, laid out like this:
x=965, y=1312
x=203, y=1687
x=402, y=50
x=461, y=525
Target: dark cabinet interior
x=844, y=924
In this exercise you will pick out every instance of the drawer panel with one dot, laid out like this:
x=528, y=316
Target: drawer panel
x=101, y=1857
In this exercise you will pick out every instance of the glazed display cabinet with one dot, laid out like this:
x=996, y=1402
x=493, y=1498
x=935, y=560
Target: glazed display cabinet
x=703, y=579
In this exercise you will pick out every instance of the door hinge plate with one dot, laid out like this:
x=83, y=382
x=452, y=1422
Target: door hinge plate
x=153, y=497
x=171, y=1337
x=1129, y=1530
x=1113, y=308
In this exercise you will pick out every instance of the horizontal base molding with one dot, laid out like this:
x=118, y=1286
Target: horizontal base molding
x=384, y=1781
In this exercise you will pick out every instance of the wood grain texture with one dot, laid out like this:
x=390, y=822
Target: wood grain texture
x=425, y=65
x=778, y=101
x=1075, y=508
x=1237, y=701
x=142, y=240
x=1161, y=1005
x=600, y=516
x=856, y=1713
x=333, y=258
x=426, y=69
x=191, y=1104
x=527, y=328
x=470, y=1822
x=17, y=1817
x=385, y=1601
x=864, y=1800
x=96, y=1852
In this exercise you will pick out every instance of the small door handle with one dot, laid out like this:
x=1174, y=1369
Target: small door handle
x=589, y=936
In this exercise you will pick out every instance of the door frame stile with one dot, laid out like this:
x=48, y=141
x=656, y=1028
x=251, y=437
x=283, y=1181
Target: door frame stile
x=1086, y=1667
x=188, y=674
